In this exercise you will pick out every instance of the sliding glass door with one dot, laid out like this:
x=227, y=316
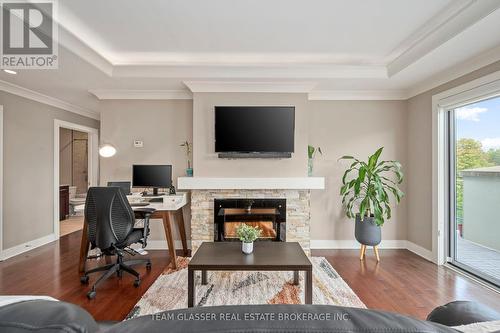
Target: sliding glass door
x=474, y=151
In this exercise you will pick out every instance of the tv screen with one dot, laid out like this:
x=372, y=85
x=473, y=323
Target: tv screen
x=264, y=129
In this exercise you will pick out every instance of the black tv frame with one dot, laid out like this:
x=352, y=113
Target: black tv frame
x=254, y=154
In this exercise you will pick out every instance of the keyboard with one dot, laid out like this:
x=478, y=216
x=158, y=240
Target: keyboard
x=139, y=204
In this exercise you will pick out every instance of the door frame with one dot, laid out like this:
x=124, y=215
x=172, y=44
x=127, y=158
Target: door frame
x=1, y=180
x=473, y=91
x=93, y=161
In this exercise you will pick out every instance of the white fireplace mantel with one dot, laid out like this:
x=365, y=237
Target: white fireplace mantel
x=289, y=183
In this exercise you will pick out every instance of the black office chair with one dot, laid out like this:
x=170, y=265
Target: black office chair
x=110, y=221
x=124, y=185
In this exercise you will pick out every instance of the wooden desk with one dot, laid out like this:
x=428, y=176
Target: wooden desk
x=168, y=211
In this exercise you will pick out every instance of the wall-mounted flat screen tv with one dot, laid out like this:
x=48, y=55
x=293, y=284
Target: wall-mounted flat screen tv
x=254, y=129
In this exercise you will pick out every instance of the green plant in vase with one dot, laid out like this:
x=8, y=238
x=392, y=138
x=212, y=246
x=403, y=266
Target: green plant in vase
x=311, y=154
x=247, y=235
x=365, y=190
x=189, y=149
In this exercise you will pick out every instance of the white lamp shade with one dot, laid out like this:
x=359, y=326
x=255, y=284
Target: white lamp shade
x=107, y=150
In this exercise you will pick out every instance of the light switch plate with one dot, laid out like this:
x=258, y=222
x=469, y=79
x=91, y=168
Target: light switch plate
x=138, y=144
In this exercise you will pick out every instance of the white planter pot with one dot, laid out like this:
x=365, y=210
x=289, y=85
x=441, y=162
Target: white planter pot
x=247, y=248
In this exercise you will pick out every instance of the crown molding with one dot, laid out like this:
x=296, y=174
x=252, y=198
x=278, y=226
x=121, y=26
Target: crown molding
x=257, y=71
x=455, y=72
x=141, y=94
x=357, y=95
x=249, y=86
x=451, y=21
x=38, y=97
x=72, y=43
x=431, y=26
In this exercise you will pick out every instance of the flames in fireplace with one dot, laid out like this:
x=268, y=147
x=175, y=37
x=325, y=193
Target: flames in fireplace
x=267, y=214
x=266, y=227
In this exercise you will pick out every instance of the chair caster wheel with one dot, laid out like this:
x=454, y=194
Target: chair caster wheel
x=137, y=283
x=84, y=279
x=148, y=266
x=91, y=294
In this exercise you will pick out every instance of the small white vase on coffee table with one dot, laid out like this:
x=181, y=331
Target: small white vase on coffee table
x=247, y=248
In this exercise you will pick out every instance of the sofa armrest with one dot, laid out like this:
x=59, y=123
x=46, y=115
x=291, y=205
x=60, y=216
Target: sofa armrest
x=462, y=313
x=6, y=300
x=46, y=316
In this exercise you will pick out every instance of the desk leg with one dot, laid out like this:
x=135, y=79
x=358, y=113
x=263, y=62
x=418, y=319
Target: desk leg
x=204, y=277
x=167, y=225
x=308, y=287
x=191, y=288
x=84, y=249
x=182, y=230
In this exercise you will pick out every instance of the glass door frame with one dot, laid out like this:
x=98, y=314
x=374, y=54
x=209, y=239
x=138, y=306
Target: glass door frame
x=451, y=162
x=469, y=92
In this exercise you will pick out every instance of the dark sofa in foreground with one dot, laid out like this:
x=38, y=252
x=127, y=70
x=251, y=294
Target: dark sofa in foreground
x=51, y=316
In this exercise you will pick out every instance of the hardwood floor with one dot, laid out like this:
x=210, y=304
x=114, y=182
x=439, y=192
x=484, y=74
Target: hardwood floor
x=71, y=224
x=402, y=282
x=53, y=270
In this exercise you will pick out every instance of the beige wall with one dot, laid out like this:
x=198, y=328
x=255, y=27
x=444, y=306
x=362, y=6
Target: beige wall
x=404, y=128
x=29, y=167
x=161, y=125
x=205, y=160
x=355, y=128
x=419, y=180
x=324, y=123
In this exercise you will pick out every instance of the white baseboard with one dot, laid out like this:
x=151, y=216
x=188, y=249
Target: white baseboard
x=162, y=245
x=316, y=244
x=418, y=250
x=326, y=244
x=21, y=248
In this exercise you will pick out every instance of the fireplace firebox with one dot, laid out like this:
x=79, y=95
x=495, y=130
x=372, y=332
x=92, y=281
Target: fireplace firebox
x=267, y=214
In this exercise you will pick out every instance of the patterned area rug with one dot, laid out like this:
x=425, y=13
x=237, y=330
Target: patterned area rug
x=169, y=291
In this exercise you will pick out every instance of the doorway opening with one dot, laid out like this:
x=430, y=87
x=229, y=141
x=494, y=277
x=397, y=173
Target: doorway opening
x=75, y=170
x=73, y=179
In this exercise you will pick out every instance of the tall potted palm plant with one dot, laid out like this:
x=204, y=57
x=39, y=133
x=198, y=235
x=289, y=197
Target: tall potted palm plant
x=365, y=196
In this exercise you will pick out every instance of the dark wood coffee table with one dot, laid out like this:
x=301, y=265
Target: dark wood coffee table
x=267, y=256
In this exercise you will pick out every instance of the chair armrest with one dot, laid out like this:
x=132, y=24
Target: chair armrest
x=145, y=214
x=143, y=211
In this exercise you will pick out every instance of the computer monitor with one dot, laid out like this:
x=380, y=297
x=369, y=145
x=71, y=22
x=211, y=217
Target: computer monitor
x=155, y=176
x=124, y=185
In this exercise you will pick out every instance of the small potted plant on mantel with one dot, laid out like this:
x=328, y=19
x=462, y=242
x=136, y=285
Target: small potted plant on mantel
x=189, y=147
x=365, y=196
x=247, y=235
x=311, y=154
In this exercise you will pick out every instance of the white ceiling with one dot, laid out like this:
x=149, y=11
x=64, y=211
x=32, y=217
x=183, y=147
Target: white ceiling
x=183, y=31
x=392, y=48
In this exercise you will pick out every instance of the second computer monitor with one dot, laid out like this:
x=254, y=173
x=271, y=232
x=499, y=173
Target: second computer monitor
x=155, y=176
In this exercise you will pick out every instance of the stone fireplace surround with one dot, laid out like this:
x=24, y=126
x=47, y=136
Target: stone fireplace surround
x=297, y=213
x=296, y=191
